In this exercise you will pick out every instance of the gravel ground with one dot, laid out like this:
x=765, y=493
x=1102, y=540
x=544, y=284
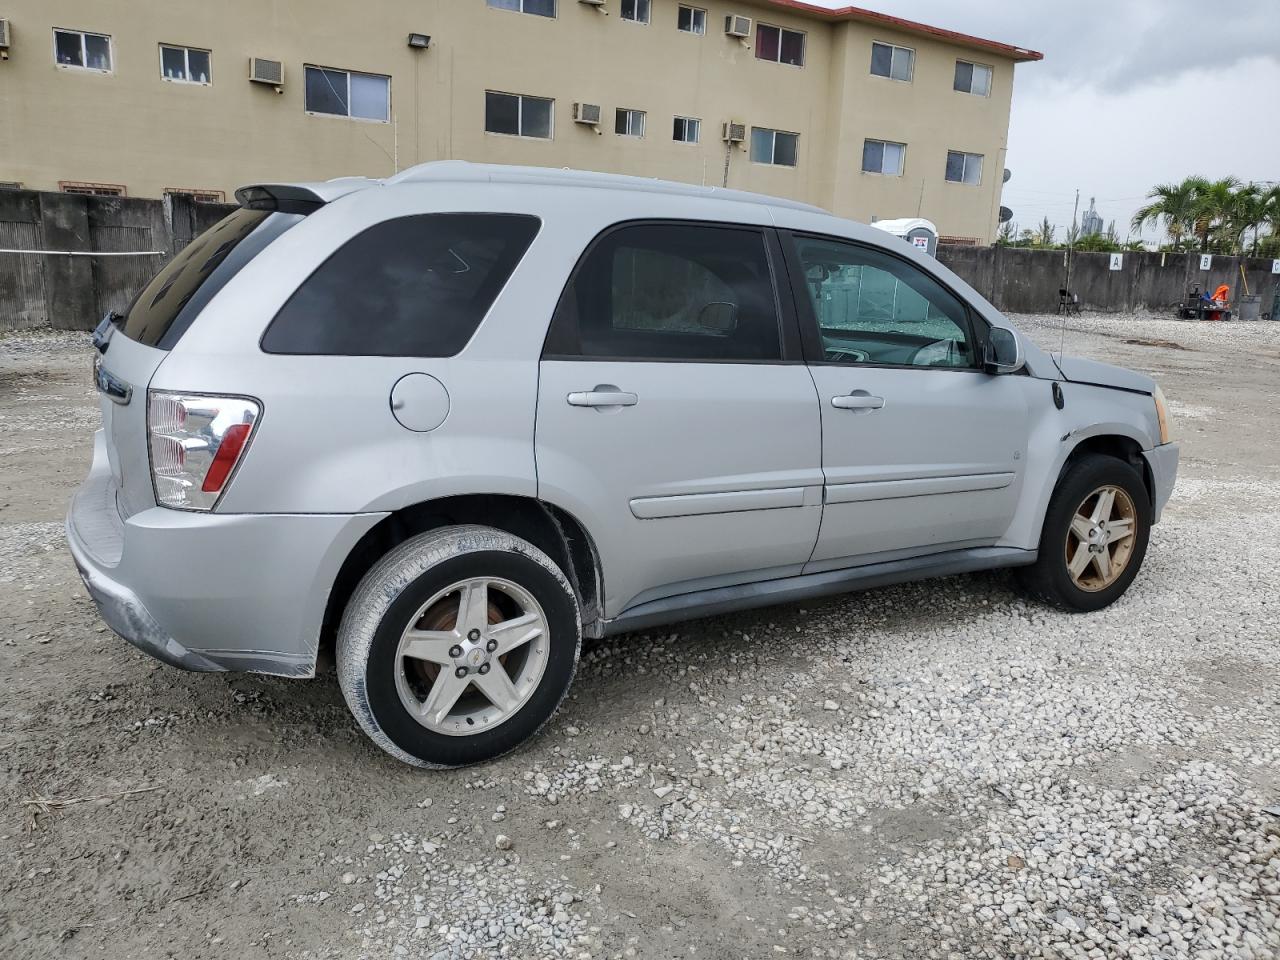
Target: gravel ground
x=937, y=770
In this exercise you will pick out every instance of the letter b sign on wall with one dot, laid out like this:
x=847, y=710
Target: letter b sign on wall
x=1206, y=261
x=1275, y=267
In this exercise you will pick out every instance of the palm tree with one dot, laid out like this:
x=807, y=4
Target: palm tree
x=1174, y=206
x=1215, y=204
x=1044, y=234
x=1248, y=211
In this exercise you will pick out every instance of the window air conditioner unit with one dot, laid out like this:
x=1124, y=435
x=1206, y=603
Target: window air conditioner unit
x=734, y=132
x=4, y=34
x=266, y=71
x=736, y=26
x=588, y=113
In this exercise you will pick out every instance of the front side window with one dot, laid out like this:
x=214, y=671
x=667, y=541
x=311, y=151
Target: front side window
x=896, y=63
x=884, y=157
x=973, y=78
x=774, y=146
x=687, y=130
x=539, y=8
x=779, y=45
x=637, y=11
x=517, y=116
x=629, y=123
x=691, y=20
x=411, y=287
x=873, y=308
x=185, y=64
x=964, y=167
x=341, y=93
x=671, y=292
x=89, y=51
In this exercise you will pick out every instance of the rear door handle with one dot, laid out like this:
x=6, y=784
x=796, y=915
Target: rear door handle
x=604, y=395
x=858, y=401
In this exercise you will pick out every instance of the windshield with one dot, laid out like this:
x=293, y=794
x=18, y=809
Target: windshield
x=163, y=311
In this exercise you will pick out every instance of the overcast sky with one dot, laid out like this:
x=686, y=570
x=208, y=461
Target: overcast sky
x=1130, y=93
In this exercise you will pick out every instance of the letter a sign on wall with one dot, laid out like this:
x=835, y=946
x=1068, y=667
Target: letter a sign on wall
x=1117, y=261
x=1275, y=267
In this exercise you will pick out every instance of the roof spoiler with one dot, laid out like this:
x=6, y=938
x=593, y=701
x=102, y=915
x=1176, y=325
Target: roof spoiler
x=303, y=198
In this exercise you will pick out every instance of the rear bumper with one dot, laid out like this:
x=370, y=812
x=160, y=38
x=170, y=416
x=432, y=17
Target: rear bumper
x=1163, y=461
x=210, y=592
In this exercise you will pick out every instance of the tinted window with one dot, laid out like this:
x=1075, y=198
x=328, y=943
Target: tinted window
x=163, y=311
x=412, y=287
x=671, y=292
x=874, y=308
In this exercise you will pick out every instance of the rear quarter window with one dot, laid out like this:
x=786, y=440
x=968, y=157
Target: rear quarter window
x=410, y=287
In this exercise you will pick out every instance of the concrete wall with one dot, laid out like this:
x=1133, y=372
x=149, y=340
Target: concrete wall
x=131, y=127
x=1021, y=280
x=54, y=285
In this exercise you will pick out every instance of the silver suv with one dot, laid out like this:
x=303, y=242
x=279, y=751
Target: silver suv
x=457, y=420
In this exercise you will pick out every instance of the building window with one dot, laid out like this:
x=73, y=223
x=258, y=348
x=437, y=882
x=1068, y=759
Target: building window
x=10, y=185
x=774, y=146
x=185, y=64
x=340, y=93
x=964, y=167
x=779, y=45
x=629, y=123
x=896, y=63
x=691, y=20
x=89, y=51
x=882, y=156
x=637, y=11
x=687, y=130
x=92, y=189
x=539, y=8
x=198, y=196
x=517, y=116
x=973, y=78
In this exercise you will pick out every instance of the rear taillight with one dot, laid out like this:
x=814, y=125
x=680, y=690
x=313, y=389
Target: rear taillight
x=196, y=442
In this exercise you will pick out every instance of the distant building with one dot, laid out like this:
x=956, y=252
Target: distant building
x=1092, y=224
x=859, y=112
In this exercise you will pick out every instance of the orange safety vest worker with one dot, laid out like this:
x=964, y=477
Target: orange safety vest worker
x=1222, y=294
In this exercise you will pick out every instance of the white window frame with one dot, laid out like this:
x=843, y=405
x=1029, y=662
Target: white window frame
x=632, y=115
x=982, y=162
x=648, y=13
x=84, y=52
x=520, y=99
x=693, y=12
x=886, y=143
x=348, y=73
x=697, y=130
x=895, y=48
x=555, y=9
x=186, y=64
x=804, y=45
x=773, y=148
x=991, y=77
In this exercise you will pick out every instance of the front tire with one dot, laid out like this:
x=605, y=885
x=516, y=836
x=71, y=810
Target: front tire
x=1094, y=538
x=458, y=646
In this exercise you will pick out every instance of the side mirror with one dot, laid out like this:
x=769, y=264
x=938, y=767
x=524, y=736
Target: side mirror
x=719, y=318
x=1004, y=352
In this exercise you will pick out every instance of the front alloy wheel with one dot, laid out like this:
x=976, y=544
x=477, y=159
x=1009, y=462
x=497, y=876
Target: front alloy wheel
x=1101, y=538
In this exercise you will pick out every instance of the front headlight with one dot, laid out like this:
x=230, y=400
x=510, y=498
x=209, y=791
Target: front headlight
x=1162, y=414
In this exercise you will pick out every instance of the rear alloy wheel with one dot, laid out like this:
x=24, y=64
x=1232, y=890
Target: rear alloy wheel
x=1094, y=538
x=458, y=646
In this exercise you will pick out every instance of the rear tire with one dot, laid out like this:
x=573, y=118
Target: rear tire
x=458, y=646
x=1094, y=537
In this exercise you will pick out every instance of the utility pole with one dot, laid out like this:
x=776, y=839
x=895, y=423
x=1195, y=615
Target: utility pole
x=1071, y=241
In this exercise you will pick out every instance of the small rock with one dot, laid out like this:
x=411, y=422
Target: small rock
x=502, y=842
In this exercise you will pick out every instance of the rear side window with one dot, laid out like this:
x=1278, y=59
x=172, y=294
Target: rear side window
x=162, y=312
x=665, y=291
x=411, y=287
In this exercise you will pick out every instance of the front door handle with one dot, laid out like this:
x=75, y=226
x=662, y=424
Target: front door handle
x=604, y=395
x=858, y=400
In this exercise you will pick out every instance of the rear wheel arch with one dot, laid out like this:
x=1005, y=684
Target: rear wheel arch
x=551, y=529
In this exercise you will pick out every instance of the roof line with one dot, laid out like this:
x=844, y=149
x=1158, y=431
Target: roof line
x=1018, y=54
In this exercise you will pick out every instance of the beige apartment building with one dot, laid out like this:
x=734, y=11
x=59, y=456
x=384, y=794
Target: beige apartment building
x=864, y=114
